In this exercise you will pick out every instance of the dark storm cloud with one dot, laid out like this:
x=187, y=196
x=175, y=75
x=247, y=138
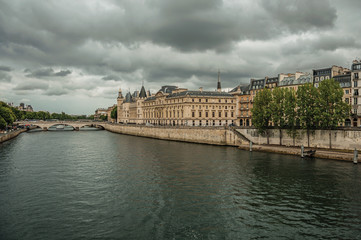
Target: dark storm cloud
x=303, y=15
x=5, y=68
x=46, y=72
x=83, y=47
x=4, y=77
x=56, y=91
x=30, y=86
x=62, y=73
x=111, y=77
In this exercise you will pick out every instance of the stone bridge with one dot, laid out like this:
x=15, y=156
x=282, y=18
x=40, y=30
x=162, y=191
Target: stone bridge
x=45, y=125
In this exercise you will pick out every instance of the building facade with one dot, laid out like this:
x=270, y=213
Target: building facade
x=327, y=73
x=356, y=91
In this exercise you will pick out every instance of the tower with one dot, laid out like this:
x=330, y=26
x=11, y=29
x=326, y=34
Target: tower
x=219, y=82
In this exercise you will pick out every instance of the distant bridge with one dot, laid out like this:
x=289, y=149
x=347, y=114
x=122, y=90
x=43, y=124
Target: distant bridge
x=45, y=125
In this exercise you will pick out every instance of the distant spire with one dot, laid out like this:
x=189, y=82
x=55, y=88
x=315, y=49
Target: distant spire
x=120, y=95
x=219, y=82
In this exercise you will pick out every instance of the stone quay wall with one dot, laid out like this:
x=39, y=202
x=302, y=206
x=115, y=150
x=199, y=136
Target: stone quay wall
x=11, y=135
x=345, y=139
x=205, y=135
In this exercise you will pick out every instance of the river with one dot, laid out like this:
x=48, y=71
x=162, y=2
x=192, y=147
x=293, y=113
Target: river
x=101, y=185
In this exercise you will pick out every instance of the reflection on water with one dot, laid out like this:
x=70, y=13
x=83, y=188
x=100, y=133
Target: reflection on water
x=82, y=185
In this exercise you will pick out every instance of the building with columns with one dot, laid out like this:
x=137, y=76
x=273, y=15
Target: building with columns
x=176, y=106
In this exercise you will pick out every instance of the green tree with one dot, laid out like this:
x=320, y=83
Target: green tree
x=291, y=120
x=308, y=109
x=7, y=115
x=114, y=113
x=103, y=117
x=2, y=123
x=277, y=107
x=333, y=110
x=261, y=112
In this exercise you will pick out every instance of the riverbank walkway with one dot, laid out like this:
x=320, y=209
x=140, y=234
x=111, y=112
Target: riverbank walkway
x=335, y=154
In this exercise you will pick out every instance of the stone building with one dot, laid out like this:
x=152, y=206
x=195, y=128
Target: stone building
x=327, y=73
x=356, y=91
x=243, y=111
x=190, y=108
x=109, y=113
x=130, y=107
x=178, y=106
x=100, y=112
x=293, y=81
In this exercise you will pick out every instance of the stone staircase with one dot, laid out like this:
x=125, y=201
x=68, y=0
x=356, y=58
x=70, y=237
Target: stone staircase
x=240, y=135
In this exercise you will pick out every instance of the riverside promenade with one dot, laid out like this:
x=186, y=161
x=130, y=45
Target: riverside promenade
x=11, y=135
x=334, y=154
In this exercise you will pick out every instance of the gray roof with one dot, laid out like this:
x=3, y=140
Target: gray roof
x=257, y=84
x=142, y=94
x=344, y=80
x=288, y=81
x=128, y=98
x=200, y=93
x=168, y=89
x=244, y=89
x=272, y=80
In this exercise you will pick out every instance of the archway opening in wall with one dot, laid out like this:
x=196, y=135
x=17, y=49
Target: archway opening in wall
x=347, y=123
x=61, y=127
x=247, y=122
x=355, y=122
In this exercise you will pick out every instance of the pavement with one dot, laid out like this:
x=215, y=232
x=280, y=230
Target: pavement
x=320, y=153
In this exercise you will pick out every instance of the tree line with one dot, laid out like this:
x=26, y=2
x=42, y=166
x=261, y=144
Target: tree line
x=309, y=108
x=9, y=114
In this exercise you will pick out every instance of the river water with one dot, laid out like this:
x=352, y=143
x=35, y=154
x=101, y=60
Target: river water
x=101, y=185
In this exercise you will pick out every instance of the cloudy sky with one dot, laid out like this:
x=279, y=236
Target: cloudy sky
x=73, y=56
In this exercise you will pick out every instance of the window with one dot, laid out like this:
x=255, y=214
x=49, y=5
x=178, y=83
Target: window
x=206, y=115
x=206, y=100
x=200, y=100
x=231, y=114
x=356, y=92
x=321, y=78
x=213, y=115
x=347, y=91
x=355, y=83
x=327, y=77
x=219, y=114
x=226, y=114
x=192, y=99
x=200, y=114
x=346, y=100
x=355, y=101
x=192, y=114
x=356, y=75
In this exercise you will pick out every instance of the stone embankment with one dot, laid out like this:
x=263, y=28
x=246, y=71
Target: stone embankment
x=11, y=135
x=343, y=142
x=206, y=135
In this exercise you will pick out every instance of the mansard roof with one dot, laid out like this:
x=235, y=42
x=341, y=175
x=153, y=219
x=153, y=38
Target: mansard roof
x=272, y=80
x=168, y=89
x=257, y=84
x=287, y=81
x=344, y=80
x=200, y=93
x=242, y=87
